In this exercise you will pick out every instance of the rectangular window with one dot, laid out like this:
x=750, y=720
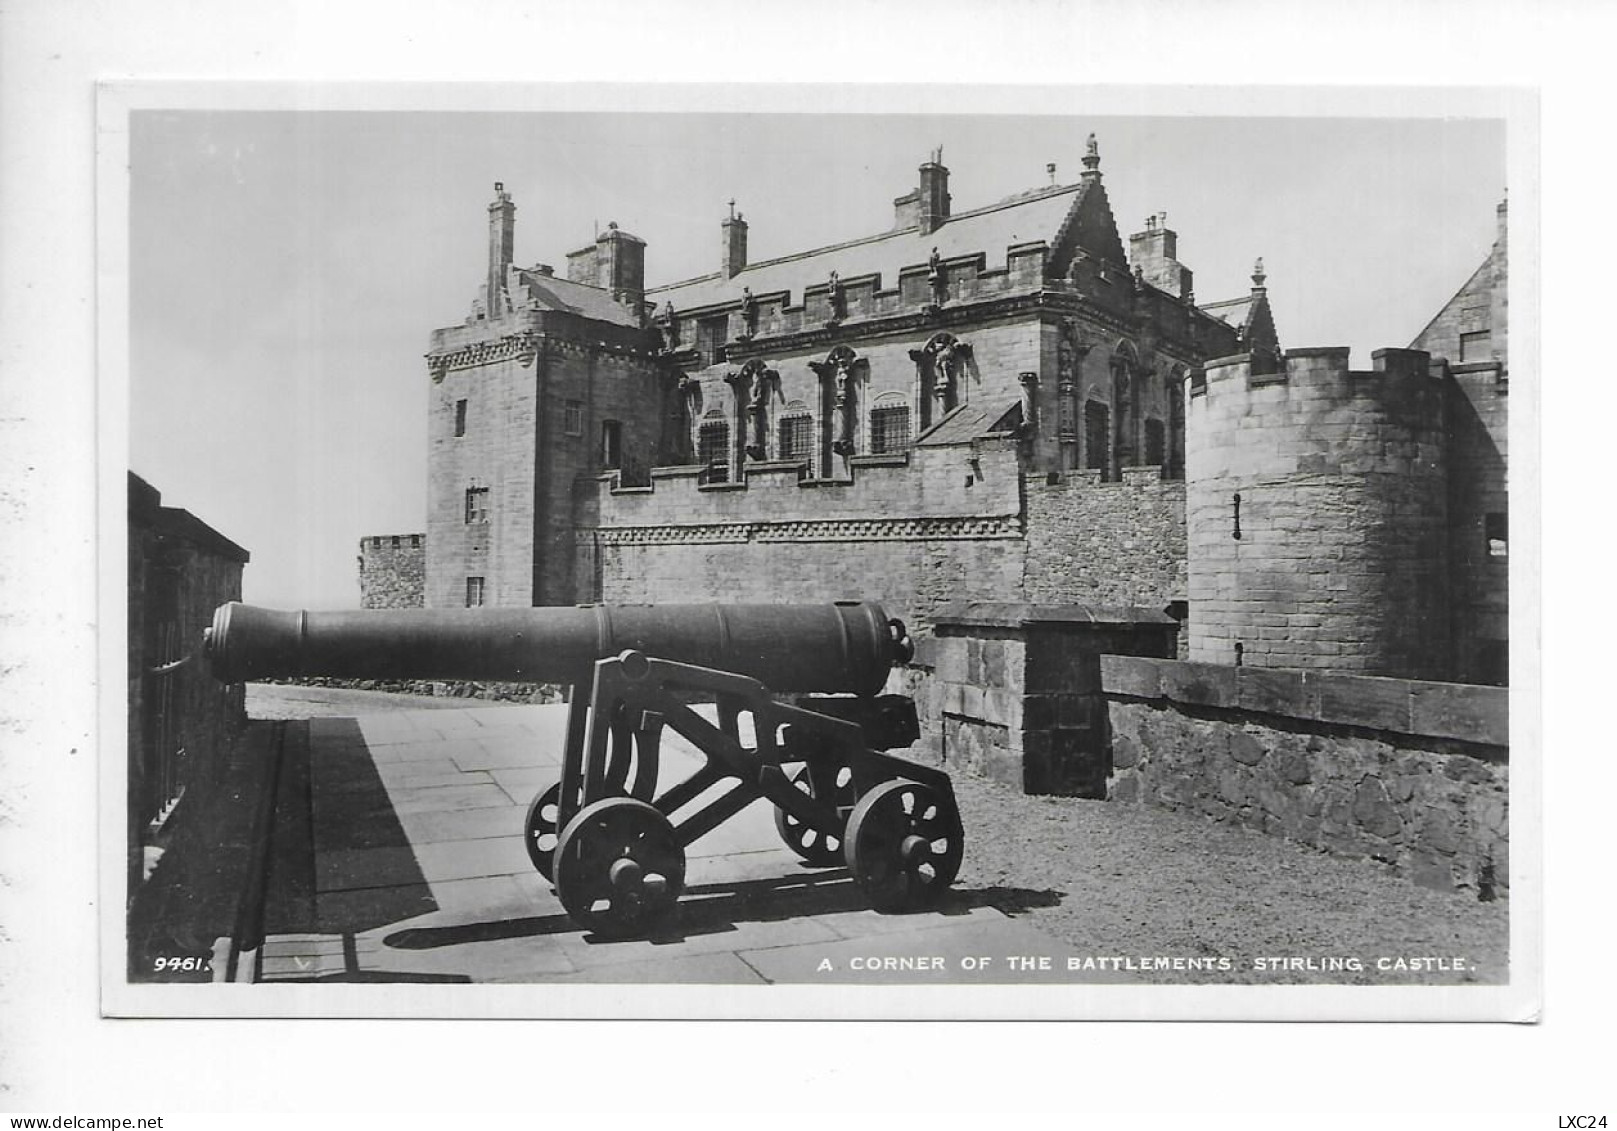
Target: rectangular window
x=713, y=450
x=572, y=418
x=890, y=429
x=474, y=592
x=460, y=418
x=1155, y=446
x=476, y=504
x=711, y=334
x=611, y=444
x=1496, y=530
x=797, y=437
x=1476, y=346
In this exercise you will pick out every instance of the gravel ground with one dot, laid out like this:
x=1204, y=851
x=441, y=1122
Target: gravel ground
x=1114, y=879
x=1123, y=880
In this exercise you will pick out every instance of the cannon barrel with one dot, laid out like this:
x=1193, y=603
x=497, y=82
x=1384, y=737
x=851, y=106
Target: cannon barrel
x=848, y=646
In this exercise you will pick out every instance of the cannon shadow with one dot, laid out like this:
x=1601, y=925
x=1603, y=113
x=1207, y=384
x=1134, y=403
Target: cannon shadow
x=716, y=908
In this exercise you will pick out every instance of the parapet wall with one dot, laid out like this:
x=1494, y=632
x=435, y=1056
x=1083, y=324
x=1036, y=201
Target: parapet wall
x=1317, y=514
x=1415, y=775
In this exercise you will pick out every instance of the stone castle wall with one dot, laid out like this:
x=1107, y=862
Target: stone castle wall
x=1412, y=774
x=1317, y=515
x=1471, y=333
x=940, y=525
x=392, y=571
x=1115, y=543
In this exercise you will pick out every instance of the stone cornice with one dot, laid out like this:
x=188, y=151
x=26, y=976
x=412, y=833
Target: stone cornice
x=952, y=528
x=522, y=347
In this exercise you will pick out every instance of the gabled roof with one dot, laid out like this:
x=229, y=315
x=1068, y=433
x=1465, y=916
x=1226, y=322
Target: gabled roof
x=1251, y=317
x=1235, y=311
x=1031, y=217
x=552, y=293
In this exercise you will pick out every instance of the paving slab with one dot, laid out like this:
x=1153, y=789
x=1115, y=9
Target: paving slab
x=482, y=795
x=503, y=820
x=523, y=785
x=465, y=859
x=422, y=875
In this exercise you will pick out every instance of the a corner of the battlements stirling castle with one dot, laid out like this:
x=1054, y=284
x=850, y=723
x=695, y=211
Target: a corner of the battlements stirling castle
x=997, y=422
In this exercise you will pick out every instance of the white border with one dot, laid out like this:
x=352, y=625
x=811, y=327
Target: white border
x=50, y=55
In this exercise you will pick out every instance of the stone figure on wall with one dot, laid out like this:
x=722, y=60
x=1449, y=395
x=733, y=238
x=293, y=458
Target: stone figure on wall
x=936, y=277
x=834, y=297
x=761, y=380
x=1029, y=382
x=749, y=311
x=667, y=327
x=838, y=371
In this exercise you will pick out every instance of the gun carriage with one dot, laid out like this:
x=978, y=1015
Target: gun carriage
x=797, y=718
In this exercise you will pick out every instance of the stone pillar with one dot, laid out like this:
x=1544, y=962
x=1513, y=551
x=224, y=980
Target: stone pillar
x=1015, y=691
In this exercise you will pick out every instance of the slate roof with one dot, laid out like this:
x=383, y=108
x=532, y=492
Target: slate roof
x=970, y=421
x=1235, y=311
x=1026, y=218
x=553, y=293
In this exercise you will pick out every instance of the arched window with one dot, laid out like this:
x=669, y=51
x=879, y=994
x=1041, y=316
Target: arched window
x=1175, y=393
x=890, y=424
x=1126, y=392
x=1097, y=432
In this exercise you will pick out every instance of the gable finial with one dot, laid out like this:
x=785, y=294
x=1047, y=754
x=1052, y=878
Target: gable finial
x=1257, y=274
x=1091, y=158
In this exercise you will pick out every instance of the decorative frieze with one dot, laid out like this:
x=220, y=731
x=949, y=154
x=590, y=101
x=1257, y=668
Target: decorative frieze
x=962, y=528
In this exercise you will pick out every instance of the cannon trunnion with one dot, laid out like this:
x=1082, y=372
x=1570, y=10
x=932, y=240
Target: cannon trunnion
x=611, y=834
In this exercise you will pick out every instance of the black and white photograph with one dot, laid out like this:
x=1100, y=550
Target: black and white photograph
x=898, y=561
x=776, y=551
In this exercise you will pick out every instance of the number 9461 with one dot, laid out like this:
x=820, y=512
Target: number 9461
x=177, y=964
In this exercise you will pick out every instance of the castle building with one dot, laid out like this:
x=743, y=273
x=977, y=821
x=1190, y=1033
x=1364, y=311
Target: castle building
x=997, y=403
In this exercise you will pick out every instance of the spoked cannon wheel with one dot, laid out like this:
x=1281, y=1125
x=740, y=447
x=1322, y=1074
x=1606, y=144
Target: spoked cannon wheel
x=619, y=867
x=904, y=845
x=820, y=849
x=631, y=772
x=539, y=832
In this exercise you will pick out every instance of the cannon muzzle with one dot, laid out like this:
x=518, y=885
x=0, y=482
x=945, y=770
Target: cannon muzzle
x=848, y=646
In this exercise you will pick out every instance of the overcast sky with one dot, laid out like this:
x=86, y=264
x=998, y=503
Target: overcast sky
x=286, y=268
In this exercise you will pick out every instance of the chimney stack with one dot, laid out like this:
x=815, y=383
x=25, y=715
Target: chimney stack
x=933, y=202
x=1154, y=250
x=501, y=230
x=733, y=251
x=620, y=260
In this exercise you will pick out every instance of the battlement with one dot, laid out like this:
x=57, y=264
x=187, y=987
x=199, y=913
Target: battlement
x=391, y=542
x=1323, y=370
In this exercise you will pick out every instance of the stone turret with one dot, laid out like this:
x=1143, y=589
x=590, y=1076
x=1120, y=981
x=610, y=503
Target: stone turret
x=1317, y=511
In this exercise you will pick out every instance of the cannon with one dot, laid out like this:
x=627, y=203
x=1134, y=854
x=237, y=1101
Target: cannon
x=798, y=717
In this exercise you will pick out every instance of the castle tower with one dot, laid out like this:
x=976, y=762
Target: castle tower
x=1316, y=504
